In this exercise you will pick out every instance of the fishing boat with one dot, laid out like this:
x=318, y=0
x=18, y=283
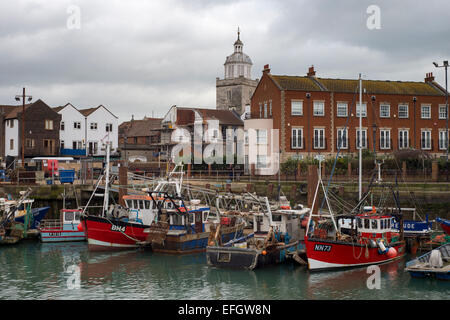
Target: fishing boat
x=64, y=229
x=116, y=227
x=356, y=237
x=12, y=231
x=185, y=227
x=276, y=236
x=445, y=225
x=20, y=210
x=435, y=263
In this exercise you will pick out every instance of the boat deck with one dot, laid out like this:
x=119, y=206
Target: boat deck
x=425, y=267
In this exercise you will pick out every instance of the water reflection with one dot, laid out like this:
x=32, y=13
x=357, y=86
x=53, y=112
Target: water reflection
x=32, y=270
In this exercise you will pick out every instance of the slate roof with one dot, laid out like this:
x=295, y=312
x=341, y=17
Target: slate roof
x=141, y=128
x=305, y=83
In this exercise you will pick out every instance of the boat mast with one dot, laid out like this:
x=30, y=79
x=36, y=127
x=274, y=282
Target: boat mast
x=360, y=137
x=106, y=196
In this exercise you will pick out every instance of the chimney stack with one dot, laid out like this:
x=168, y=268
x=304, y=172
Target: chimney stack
x=266, y=69
x=429, y=77
x=311, y=72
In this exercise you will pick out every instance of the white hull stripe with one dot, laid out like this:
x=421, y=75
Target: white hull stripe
x=317, y=264
x=109, y=244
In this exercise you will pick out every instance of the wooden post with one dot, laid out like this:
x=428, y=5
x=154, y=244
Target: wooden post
x=270, y=190
x=209, y=170
x=299, y=170
x=434, y=171
x=312, y=181
x=123, y=181
x=349, y=170
x=404, y=170
x=189, y=170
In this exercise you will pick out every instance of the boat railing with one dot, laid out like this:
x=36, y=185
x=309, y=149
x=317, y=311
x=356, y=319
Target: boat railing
x=51, y=224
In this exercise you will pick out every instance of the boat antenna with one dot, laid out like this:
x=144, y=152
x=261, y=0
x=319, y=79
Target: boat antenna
x=360, y=137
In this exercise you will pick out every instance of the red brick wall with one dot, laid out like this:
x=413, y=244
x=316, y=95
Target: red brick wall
x=267, y=90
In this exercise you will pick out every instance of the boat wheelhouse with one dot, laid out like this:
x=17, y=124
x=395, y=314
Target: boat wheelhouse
x=276, y=236
x=64, y=229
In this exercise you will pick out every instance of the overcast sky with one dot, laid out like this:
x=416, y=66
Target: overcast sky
x=141, y=57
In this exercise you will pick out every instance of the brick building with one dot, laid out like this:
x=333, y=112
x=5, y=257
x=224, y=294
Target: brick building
x=140, y=139
x=41, y=131
x=316, y=115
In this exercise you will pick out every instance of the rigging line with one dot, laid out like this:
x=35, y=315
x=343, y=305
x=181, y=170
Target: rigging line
x=339, y=146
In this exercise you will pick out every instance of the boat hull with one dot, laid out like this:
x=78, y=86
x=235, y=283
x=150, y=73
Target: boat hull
x=107, y=234
x=324, y=254
x=246, y=258
x=445, y=225
x=195, y=242
x=38, y=215
x=58, y=235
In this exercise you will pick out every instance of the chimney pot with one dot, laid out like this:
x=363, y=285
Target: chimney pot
x=429, y=77
x=266, y=69
x=311, y=72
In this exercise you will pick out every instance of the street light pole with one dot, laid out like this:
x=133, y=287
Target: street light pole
x=18, y=97
x=445, y=65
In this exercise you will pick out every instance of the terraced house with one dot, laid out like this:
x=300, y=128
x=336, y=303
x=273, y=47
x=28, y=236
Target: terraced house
x=320, y=115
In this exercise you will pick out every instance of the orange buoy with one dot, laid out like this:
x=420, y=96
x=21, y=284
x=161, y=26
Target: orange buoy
x=264, y=252
x=80, y=227
x=392, y=253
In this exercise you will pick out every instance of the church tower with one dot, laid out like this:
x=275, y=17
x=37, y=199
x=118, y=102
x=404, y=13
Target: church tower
x=234, y=91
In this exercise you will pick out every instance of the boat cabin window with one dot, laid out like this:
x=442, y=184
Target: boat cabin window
x=366, y=224
x=191, y=218
x=276, y=217
x=129, y=203
x=169, y=205
x=374, y=224
x=177, y=220
x=147, y=204
x=382, y=224
x=68, y=216
x=135, y=204
x=359, y=223
x=141, y=204
x=77, y=216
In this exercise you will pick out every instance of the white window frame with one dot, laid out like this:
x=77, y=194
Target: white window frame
x=400, y=111
x=442, y=111
x=342, y=132
x=77, y=125
x=265, y=109
x=364, y=142
x=387, y=112
x=319, y=143
x=339, y=107
x=109, y=127
x=442, y=140
x=425, y=137
x=261, y=161
x=48, y=124
x=364, y=110
x=319, y=112
x=298, y=110
x=261, y=136
x=62, y=126
x=385, y=139
x=294, y=138
x=403, y=142
x=423, y=108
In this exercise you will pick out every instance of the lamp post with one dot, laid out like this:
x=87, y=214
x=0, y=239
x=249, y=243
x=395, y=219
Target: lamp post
x=415, y=132
x=308, y=96
x=445, y=65
x=374, y=128
x=18, y=97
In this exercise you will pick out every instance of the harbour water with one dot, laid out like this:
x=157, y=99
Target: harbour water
x=33, y=270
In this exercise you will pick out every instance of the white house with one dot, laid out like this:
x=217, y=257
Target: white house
x=83, y=131
x=12, y=137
